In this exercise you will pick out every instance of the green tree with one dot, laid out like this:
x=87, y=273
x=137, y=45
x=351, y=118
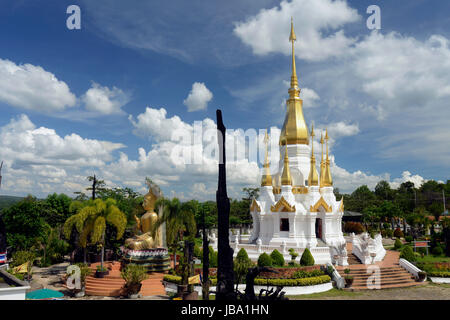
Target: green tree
x=91, y=219
x=241, y=265
x=383, y=190
x=24, y=223
x=57, y=209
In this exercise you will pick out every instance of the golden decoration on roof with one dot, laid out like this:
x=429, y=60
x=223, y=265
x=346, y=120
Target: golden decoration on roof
x=286, y=179
x=321, y=203
x=322, y=162
x=294, y=129
x=327, y=179
x=255, y=206
x=266, y=180
x=283, y=205
x=313, y=179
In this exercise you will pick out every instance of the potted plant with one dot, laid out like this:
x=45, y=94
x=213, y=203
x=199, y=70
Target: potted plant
x=134, y=275
x=293, y=254
x=421, y=276
x=101, y=271
x=348, y=278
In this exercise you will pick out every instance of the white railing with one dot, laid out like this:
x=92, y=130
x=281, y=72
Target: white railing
x=408, y=266
x=336, y=277
x=368, y=250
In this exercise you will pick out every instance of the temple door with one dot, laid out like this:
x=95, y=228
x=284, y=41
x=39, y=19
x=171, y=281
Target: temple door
x=319, y=228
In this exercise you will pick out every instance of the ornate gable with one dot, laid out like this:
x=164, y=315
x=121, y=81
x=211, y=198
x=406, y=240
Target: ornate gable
x=321, y=203
x=283, y=205
x=255, y=206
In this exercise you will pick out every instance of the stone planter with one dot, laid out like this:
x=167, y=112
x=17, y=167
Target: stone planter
x=101, y=274
x=80, y=293
x=348, y=282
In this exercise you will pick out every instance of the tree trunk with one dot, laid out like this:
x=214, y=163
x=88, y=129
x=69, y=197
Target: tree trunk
x=103, y=251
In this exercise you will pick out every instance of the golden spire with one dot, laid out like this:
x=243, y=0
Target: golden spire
x=286, y=179
x=266, y=180
x=322, y=166
x=294, y=129
x=313, y=179
x=327, y=179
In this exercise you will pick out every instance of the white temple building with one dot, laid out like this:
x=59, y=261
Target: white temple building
x=297, y=208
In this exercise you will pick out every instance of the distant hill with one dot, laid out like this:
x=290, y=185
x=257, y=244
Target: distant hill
x=7, y=201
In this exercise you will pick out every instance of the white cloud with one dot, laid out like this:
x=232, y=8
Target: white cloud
x=310, y=98
x=198, y=97
x=318, y=23
x=31, y=87
x=408, y=177
x=104, y=100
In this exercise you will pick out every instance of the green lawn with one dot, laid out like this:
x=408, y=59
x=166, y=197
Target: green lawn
x=328, y=294
x=431, y=258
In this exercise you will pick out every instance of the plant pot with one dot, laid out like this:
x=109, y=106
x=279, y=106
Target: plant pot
x=133, y=290
x=348, y=282
x=101, y=274
x=421, y=276
x=181, y=289
x=190, y=295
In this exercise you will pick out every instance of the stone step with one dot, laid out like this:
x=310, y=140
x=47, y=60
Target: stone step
x=394, y=276
x=382, y=286
x=384, y=281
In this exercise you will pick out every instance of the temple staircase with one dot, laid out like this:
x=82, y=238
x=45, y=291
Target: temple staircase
x=112, y=285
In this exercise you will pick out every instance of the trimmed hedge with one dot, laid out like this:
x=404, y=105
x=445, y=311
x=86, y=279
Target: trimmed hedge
x=277, y=258
x=173, y=279
x=293, y=282
x=397, y=244
x=307, y=274
x=307, y=258
x=439, y=274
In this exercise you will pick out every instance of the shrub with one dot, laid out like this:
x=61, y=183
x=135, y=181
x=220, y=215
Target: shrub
x=293, y=254
x=437, y=251
x=389, y=233
x=277, y=258
x=439, y=274
x=293, y=282
x=300, y=274
x=307, y=258
x=198, y=252
x=293, y=264
x=241, y=264
x=409, y=238
x=398, y=233
x=397, y=244
x=212, y=258
x=408, y=254
x=355, y=227
x=21, y=257
x=264, y=260
x=173, y=279
x=134, y=274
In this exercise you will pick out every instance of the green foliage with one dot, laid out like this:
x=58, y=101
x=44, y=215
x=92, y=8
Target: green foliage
x=172, y=279
x=397, y=244
x=25, y=223
x=57, y=209
x=21, y=257
x=213, y=257
x=439, y=274
x=437, y=251
x=307, y=274
x=264, y=260
x=52, y=247
x=241, y=265
x=307, y=259
x=134, y=274
x=293, y=282
x=409, y=238
x=408, y=254
x=293, y=254
x=277, y=258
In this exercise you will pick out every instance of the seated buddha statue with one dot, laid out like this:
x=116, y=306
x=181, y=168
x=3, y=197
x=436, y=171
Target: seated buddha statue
x=144, y=240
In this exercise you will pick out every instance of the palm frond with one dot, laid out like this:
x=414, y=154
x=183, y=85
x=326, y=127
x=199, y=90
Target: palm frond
x=118, y=219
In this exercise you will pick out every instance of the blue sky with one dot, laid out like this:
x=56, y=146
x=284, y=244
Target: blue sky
x=75, y=102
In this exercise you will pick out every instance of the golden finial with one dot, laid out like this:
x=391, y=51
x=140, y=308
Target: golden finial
x=322, y=163
x=286, y=179
x=294, y=123
x=313, y=179
x=327, y=179
x=267, y=177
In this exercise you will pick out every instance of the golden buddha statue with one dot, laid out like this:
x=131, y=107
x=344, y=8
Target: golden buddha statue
x=145, y=224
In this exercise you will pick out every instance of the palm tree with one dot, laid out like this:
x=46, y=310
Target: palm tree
x=180, y=220
x=90, y=221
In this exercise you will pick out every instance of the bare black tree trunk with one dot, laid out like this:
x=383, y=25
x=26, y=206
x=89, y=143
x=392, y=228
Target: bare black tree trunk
x=205, y=292
x=225, y=273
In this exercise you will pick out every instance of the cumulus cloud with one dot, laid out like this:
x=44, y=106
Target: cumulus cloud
x=318, y=23
x=198, y=97
x=104, y=100
x=31, y=87
x=310, y=97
